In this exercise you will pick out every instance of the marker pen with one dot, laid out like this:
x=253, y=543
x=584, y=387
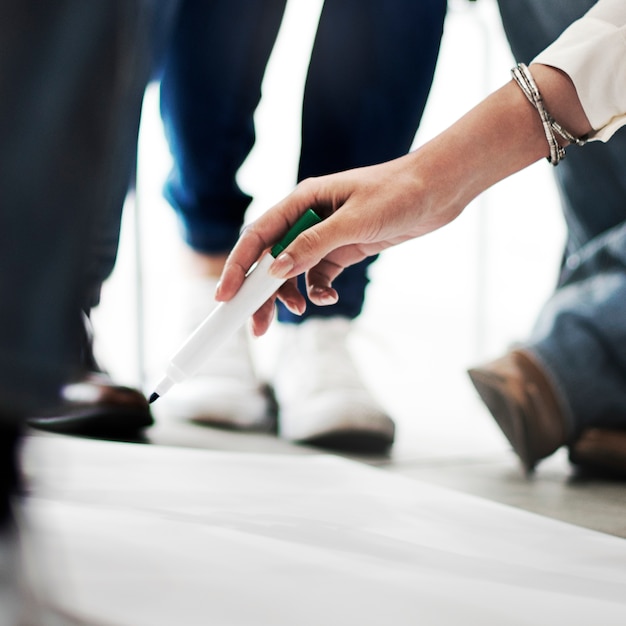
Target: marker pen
x=227, y=317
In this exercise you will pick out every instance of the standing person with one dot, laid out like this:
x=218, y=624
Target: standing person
x=367, y=84
x=574, y=361
x=91, y=402
x=70, y=75
x=575, y=90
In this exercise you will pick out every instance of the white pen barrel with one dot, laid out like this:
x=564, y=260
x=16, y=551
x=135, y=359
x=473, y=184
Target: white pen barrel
x=224, y=320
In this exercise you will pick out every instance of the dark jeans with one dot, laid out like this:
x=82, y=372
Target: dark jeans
x=580, y=335
x=157, y=18
x=70, y=75
x=368, y=80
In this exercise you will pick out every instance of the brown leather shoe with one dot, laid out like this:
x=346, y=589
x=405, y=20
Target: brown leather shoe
x=523, y=403
x=95, y=406
x=602, y=450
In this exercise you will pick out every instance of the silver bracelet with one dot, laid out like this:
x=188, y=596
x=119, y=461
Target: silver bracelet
x=523, y=77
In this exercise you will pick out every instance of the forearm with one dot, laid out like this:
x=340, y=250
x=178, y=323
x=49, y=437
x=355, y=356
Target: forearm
x=499, y=137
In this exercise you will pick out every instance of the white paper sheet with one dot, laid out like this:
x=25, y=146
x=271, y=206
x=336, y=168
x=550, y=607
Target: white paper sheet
x=133, y=535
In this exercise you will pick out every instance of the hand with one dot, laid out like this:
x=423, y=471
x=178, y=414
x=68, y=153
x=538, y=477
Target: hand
x=366, y=210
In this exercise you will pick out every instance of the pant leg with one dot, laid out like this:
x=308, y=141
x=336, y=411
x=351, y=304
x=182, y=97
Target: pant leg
x=369, y=77
x=210, y=88
x=65, y=80
x=157, y=19
x=580, y=334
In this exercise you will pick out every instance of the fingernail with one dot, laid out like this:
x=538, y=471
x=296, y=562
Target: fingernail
x=217, y=287
x=296, y=309
x=323, y=296
x=282, y=265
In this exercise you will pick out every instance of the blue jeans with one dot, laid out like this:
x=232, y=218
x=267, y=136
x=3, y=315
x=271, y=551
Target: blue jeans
x=369, y=76
x=72, y=75
x=580, y=335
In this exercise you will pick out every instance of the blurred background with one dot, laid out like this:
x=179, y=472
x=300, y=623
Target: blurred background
x=435, y=306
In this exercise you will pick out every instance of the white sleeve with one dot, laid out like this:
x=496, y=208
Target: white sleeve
x=592, y=52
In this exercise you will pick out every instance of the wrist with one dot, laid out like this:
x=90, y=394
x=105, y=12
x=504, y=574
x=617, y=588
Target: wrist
x=561, y=98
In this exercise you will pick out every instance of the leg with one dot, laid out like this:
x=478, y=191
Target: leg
x=87, y=104
x=386, y=64
x=210, y=88
x=92, y=403
x=57, y=170
x=364, y=98
x=368, y=81
x=569, y=377
x=157, y=18
x=576, y=343
x=580, y=335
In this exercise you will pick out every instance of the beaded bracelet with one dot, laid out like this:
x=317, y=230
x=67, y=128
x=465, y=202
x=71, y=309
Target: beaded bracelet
x=523, y=77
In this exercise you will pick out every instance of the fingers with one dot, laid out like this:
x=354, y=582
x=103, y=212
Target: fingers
x=246, y=252
x=256, y=239
x=262, y=319
x=309, y=248
x=319, y=281
x=323, y=296
x=294, y=301
x=290, y=297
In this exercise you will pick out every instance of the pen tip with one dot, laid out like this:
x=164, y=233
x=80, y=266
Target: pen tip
x=153, y=397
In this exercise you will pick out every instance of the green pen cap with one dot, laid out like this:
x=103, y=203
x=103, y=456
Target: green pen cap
x=308, y=219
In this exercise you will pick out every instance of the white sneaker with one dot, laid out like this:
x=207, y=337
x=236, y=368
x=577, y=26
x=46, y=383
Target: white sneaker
x=226, y=390
x=321, y=397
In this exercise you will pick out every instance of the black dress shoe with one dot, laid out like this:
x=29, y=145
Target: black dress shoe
x=94, y=405
x=10, y=476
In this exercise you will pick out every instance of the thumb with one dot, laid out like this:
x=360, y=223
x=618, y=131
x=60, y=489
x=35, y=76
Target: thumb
x=308, y=249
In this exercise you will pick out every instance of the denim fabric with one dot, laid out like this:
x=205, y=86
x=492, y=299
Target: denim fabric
x=157, y=18
x=580, y=335
x=210, y=88
x=369, y=77
x=71, y=83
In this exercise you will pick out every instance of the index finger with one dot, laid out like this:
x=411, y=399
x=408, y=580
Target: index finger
x=255, y=239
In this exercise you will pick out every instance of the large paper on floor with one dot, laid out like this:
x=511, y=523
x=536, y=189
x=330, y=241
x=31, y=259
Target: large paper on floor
x=130, y=535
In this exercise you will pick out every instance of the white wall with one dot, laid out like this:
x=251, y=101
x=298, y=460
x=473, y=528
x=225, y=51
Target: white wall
x=439, y=303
